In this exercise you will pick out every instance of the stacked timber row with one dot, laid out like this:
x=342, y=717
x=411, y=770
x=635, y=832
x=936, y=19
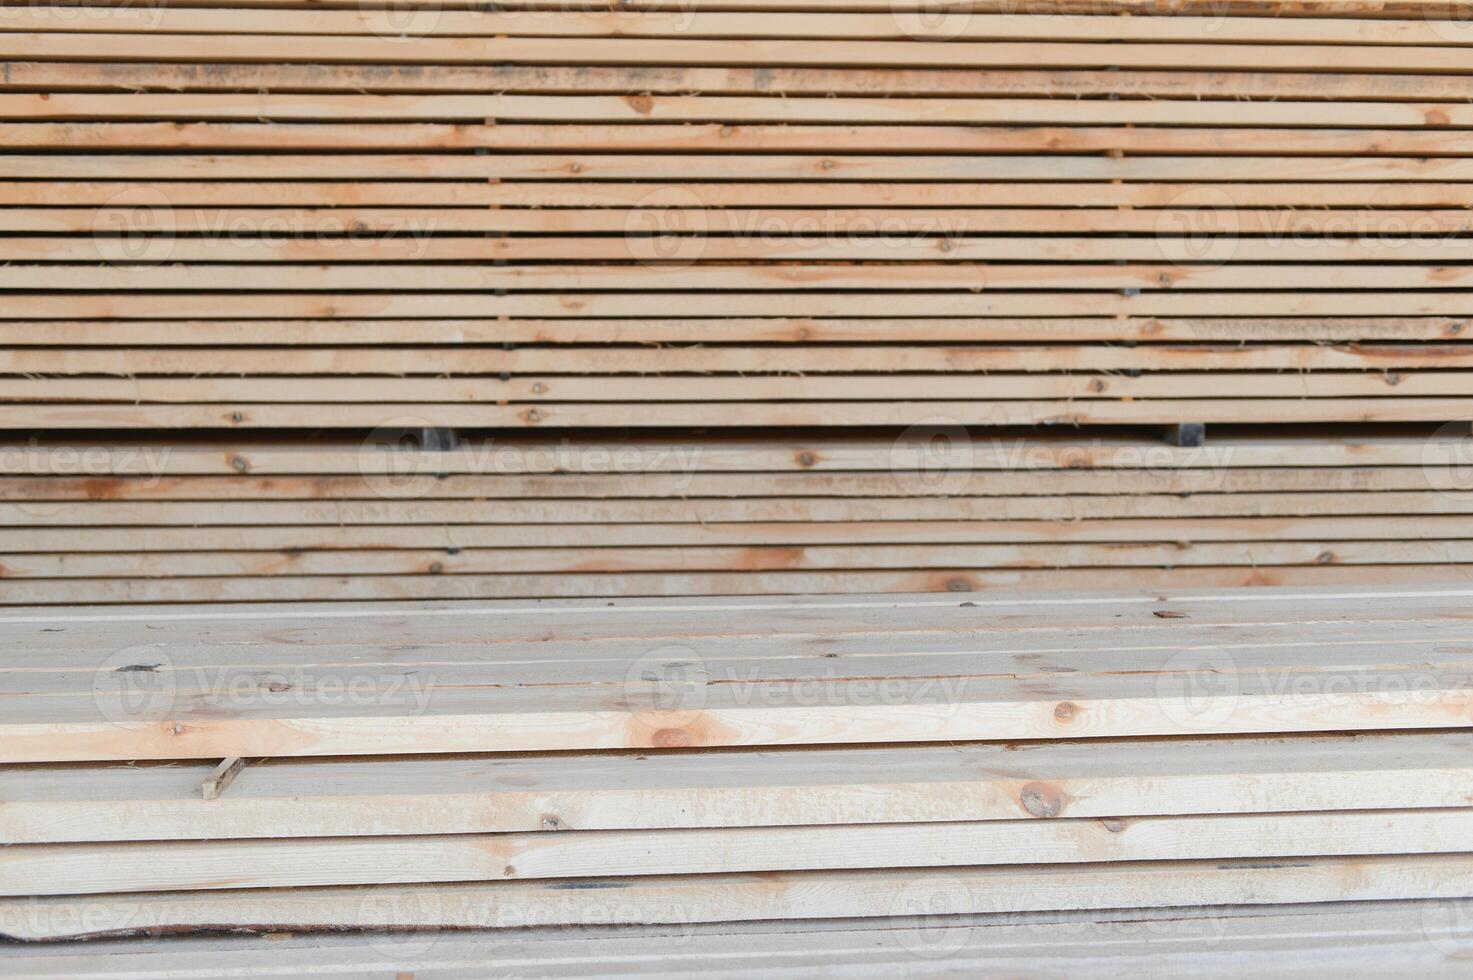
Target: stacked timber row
x=878, y=757
x=667, y=218
x=243, y=519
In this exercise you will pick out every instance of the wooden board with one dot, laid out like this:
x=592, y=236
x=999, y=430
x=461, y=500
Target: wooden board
x=133, y=699
x=1354, y=939
x=812, y=787
x=728, y=898
x=138, y=867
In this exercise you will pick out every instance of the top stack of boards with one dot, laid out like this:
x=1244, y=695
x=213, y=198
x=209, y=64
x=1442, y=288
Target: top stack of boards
x=810, y=247
x=798, y=213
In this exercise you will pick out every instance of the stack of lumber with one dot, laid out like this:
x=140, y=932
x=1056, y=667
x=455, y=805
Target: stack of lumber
x=732, y=212
x=237, y=520
x=783, y=221
x=679, y=762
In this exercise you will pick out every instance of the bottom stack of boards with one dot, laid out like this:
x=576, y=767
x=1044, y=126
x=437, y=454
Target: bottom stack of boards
x=685, y=762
